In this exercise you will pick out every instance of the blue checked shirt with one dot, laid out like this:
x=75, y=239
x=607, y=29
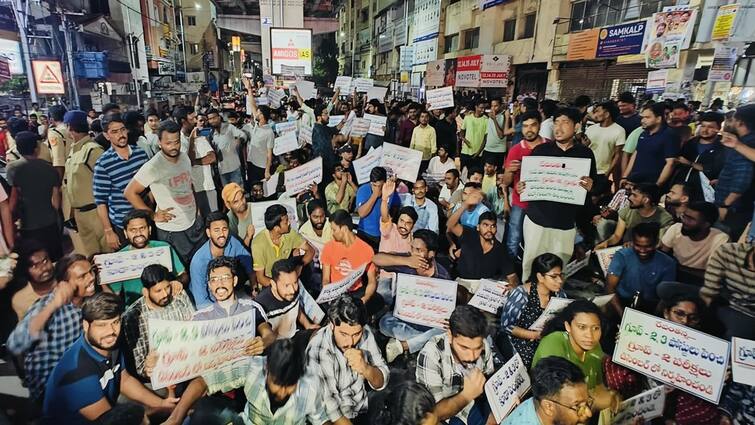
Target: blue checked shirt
x=41, y=353
x=737, y=174
x=343, y=390
x=304, y=404
x=111, y=176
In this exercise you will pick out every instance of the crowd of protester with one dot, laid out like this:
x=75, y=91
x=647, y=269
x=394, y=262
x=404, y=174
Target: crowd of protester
x=669, y=181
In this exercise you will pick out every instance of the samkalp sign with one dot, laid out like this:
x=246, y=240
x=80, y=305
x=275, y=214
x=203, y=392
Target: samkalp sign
x=617, y=40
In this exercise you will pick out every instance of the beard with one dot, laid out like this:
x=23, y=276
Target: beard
x=139, y=242
x=219, y=243
x=318, y=226
x=689, y=232
x=102, y=346
x=162, y=302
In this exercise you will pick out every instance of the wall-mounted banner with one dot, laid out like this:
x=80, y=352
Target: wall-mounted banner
x=494, y=70
x=425, y=51
x=624, y=39
x=426, y=20
x=724, y=22
x=468, y=71
x=724, y=58
x=434, y=73
x=582, y=45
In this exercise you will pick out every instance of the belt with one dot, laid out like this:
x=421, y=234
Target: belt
x=86, y=208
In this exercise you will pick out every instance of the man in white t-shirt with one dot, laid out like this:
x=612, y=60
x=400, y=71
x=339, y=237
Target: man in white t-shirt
x=606, y=141
x=204, y=156
x=548, y=108
x=168, y=176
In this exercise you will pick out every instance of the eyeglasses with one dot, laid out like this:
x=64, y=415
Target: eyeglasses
x=692, y=317
x=222, y=278
x=587, y=405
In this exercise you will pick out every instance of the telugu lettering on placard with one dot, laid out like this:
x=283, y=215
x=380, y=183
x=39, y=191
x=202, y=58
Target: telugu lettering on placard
x=189, y=349
x=554, y=179
x=743, y=360
x=126, y=265
x=440, y=98
x=377, y=93
x=605, y=256
x=364, y=165
x=334, y=290
x=362, y=85
x=404, y=162
x=305, y=134
x=301, y=178
x=506, y=386
x=377, y=124
x=285, y=143
x=334, y=120
x=310, y=306
x=424, y=301
x=672, y=354
x=258, y=213
x=274, y=97
x=285, y=127
x=306, y=89
x=360, y=127
x=555, y=305
x=490, y=296
x=647, y=405
x=343, y=83
x=576, y=265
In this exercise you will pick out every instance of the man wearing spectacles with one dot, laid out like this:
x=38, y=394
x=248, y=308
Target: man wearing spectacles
x=559, y=396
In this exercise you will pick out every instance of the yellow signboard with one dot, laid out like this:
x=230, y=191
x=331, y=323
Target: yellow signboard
x=583, y=45
x=724, y=22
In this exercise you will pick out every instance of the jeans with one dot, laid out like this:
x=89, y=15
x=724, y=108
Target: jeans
x=385, y=289
x=416, y=336
x=514, y=231
x=751, y=235
x=478, y=415
x=232, y=176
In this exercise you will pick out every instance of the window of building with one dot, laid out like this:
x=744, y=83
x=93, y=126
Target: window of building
x=194, y=48
x=509, y=30
x=364, y=15
x=472, y=39
x=451, y=43
x=191, y=21
x=586, y=14
x=529, y=25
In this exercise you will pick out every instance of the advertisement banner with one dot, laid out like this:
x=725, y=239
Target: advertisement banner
x=724, y=22
x=468, y=71
x=494, y=71
x=670, y=32
x=617, y=40
x=426, y=20
x=425, y=51
x=292, y=49
x=582, y=45
x=656, y=82
x=724, y=58
x=435, y=73
x=406, y=58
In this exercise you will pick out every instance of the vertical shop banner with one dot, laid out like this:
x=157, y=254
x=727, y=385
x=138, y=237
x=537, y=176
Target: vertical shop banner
x=582, y=45
x=656, y=82
x=450, y=78
x=291, y=49
x=426, y=20
x=494, y=70
x=724, y=22
x=624, y=39
x=425, y=51
x=406, y=57
x=434, y=73
x=468, y=71
x=671, y=31
x=724, y=58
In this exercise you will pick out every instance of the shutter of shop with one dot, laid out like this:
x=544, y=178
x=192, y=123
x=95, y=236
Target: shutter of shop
x=597, y=78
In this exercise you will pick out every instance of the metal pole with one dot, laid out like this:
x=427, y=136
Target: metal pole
x=353, y=35
x=69, y=56
x=21, y=22
x=183, y=34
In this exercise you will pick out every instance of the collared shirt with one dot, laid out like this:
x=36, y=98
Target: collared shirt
x=524, y=414
x=427, y=214
x=266, y=253
x=652, y=152
x=331, y=196
x=261, y=140
x=423, y=140
x=343, y=389
x=443, y=375
x=305, y=404
x=227, y=141
x=43, y=351
x=736, y=176
x=135, y=330
x=392, y=241
x=133, y=287
x=111, y=176
x=493, y=143
x=57, y=147
x=242, y=305
x=198, y=268
x=641, y=276
x=452, y=198
x=81, y=378
x=727, y=275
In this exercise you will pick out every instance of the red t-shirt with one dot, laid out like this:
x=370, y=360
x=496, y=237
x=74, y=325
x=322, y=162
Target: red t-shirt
x=516, y=153
x=343, y=260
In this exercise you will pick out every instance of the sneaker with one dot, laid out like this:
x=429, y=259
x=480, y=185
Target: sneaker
x=393, y=349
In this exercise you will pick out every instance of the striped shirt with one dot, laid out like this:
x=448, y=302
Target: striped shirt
x=727, y=273
x=111, y=176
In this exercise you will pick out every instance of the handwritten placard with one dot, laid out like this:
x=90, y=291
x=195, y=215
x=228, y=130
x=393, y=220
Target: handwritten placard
x=440, y=98
x=647, y=406
x=259, y=208
x=125, y=265
x=269, y=80
x=555, y=305
x=306, y=89
x=301, y=178
x=262, y=101
x=602, y=300
x=605, y=256
x=424, y=301
x=576, y=265
x=305, y=134
x=285, y=127
x=362, y=85
x=343, y=83
x=334, y=120
x=672, y=354
x=507, y=385
x=490, y=296
x=377, y=124
x=554, y=179
x=364, y=165
x=275, y=97
x=310, y=306
x=403, y=161
x=376, y=93
x=285, y=143
x=360, y=127
x=270, y=186
x=743, y=360
x=334, y=290
x=189, y=349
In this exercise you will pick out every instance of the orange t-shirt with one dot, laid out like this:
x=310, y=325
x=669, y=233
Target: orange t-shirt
x=343, y=260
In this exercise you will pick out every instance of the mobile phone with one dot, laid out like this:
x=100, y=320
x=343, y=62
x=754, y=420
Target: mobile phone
x=205, y=132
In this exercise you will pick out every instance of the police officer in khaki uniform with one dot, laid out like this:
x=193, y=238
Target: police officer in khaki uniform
x=58, y=144
x=79, y=174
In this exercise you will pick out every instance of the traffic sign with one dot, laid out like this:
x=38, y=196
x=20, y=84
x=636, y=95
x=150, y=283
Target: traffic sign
x=48, y=77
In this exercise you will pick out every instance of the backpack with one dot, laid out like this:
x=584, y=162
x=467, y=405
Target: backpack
x=79, y=176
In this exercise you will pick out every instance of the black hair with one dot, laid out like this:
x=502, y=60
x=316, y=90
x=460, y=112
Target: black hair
x=549, y=107
x=467, y=321
x=96, y=126
x=233, y=114
x=25, y=248
x=110, y=107
x=650, y=190
x=746, y=114
x=219, y=262
x=491, y=160
x=647, y=230
x=273, y=216
x=670, y=302
x=474, y=170
x=582, y=101
x=57, y=112
x=347, y=309
x=135, y=215
x=319, y=109
x=27, y=143
x=429, y=238
x=454, y=172
x=65, y=263
x=101, y=306
x=107, y=119
x=707, y=209
x=551, y=373
x=610, y=107
x=167, y=126
x=473, y=185
x=152, y=112
x=285, y=265
x=531, y=115
x=658, y=109
x=405, y=404
x=571, y=113
x=410, y=211
x=122, y=414
x=378, y=174
x=342, y=218
x=712, y=117
x=530, y=104
x=544, y=263
x=212, y=111
x=265, y=111
x=314, y=204
x=181, y=113
x=626, y=97
x=215, y=216
x=285, y=363
x=487, y=216
x=154, y=274
x=568, y=314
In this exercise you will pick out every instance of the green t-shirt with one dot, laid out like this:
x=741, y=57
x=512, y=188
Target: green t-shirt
x=631, y=144
x=557, y=344
x=133, y=287
x=632, y=218
x=475, y=128
x=265, y=253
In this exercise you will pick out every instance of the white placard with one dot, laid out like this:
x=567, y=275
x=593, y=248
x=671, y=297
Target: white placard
x=305, y=134
x=270, y=186
x=648, y=405
x=363, y=84
x=310, y=306
x=605, y=256
x=435, y=73
x=306, y=89
x=672, y=354
x=490, y=296
x=126, y=265
x=576, y=265
x=343, y=83
x=285, y=127
x=259, y=208
x=262, y=101
x=424, y=301
x=291, y=48
x=602, y=300
x=494, y=71
x=301, y=178
x=377, y=124
x=187, y=349
x=507, y=385
x=286, y=143
x=555, y=305
x=404, y=162
x=377, y=93
x=275, y=97
x=743, y=360
x=334, y=290
x=440, y=98
x=268, y=80
x=360, y=127
x=556, y=179
x=334, y=120
x=364, y=165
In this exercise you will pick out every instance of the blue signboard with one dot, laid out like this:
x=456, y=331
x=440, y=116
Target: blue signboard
x=485, y=4
x=625, y=39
